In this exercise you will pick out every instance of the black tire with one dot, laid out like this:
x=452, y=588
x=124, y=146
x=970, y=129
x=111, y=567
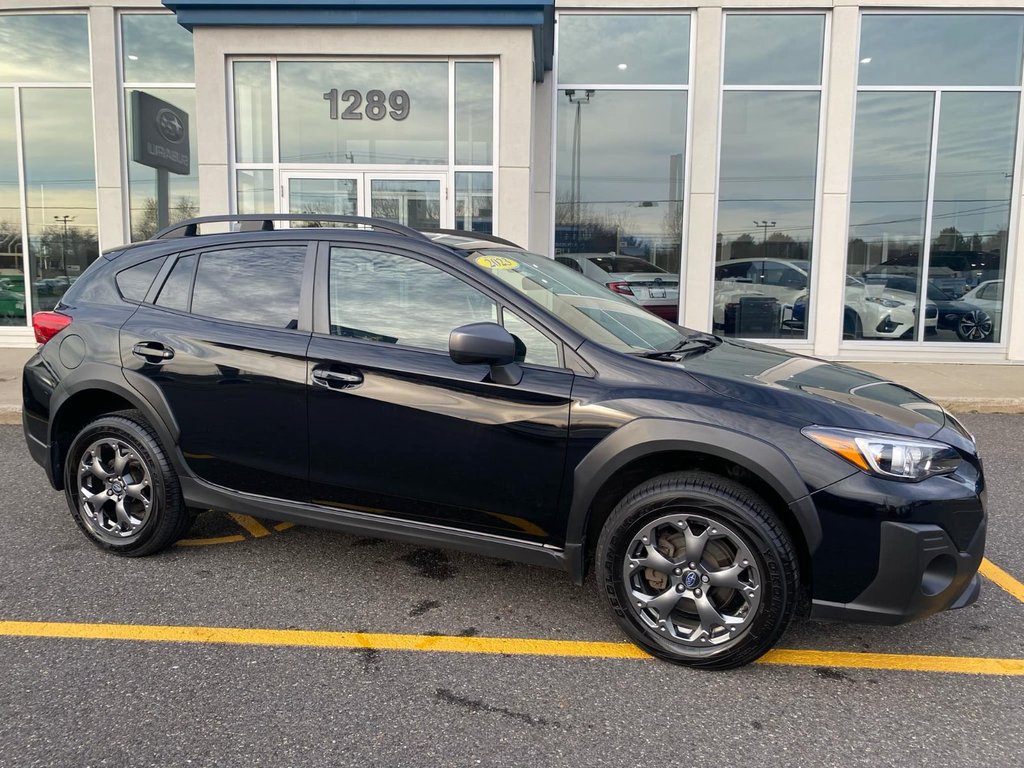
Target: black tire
x=747, y=530
x=167, y=518
x=853, y=328
x=975, y=325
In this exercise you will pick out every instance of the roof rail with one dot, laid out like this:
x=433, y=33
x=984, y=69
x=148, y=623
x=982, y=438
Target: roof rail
x=471, y=235
x=190, y=227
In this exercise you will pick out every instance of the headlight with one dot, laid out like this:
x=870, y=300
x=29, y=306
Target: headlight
x=890, y=303
x=888, y=456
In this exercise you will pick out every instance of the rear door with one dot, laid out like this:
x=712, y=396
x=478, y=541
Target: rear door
x=222, y=341
x=397, y=428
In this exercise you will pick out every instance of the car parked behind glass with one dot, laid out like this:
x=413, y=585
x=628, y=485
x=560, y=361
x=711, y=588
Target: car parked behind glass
x=650, y=286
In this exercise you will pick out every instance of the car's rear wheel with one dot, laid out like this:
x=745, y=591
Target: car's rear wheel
x=121, y=488
x=975, y=325
x=698, y=570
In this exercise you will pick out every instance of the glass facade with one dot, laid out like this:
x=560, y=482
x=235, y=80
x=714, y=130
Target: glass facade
x=410, y=141
x=157, y=60
x=768, y=166
x=729, y=189
x=48, y=223
x=933, y=164
x=620, y=146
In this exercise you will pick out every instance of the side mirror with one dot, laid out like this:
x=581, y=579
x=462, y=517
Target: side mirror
x=488, y=344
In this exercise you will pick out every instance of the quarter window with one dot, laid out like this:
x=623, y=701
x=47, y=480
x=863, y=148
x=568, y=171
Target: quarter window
x=176, y=289
x=258, y=285
x=134, y=282
x=394, y=299
x=536, y=348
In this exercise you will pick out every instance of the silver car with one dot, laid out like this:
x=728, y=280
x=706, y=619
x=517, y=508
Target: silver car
x=650, y=286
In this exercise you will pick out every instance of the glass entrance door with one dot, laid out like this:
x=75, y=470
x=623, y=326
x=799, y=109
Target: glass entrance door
x=415, y=200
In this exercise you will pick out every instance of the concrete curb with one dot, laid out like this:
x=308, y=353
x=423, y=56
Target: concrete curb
x=10, y=414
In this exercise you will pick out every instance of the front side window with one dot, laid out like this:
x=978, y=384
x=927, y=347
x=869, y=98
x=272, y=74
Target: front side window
x=768, y=166
x=621, y=135
x=932, y=173
x=393, y=299
x=259, y=285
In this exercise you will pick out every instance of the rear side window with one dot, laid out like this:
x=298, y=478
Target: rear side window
x=134, y=282
x=178, y=287
x=259, y=285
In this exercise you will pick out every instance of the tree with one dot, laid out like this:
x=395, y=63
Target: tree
x=146, y=224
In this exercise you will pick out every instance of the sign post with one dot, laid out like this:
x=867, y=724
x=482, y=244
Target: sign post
x=160, y=140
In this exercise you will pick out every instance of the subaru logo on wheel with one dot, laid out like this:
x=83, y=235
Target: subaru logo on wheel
x=170, y=126
x=691, y=579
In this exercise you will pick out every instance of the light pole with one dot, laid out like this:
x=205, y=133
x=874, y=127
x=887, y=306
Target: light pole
x=765, y=225
x=64, y=242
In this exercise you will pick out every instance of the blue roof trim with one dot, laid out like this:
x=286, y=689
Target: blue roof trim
x=539, y=15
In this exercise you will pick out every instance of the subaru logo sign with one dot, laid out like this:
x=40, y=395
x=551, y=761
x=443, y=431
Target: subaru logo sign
x=691, y=579
x=170, y=126
x=160, y=134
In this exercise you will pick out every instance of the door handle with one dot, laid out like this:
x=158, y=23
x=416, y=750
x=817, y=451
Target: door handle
x=153, y=351
x=327, y=377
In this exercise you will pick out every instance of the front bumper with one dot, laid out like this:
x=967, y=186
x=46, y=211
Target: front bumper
x=920, y=572
x=893, y=552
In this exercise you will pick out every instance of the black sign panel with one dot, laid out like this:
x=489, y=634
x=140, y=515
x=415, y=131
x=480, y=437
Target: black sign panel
x=159, y=134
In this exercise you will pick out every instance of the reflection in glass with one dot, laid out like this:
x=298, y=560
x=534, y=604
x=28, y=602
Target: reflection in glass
x=941, y=49
x=12, y=276
x=474, y=202
x=971, y=213
x=610, y=49
x=183, y=191
x=386, y=112
x=413, y=202
x=889, y=193
x=60, y=189
x=258, y=285
x=392, y=299
x=774, y=49
x=619, y=174
x=156, y=49
x=333, y=197
x=474, y=113
x=44, y=48
x=253, y=132
x=766, y=200
x=539, y=349
x=255, y=191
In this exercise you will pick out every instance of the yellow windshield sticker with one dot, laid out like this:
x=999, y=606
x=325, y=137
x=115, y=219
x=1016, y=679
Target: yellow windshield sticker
x=497, y=262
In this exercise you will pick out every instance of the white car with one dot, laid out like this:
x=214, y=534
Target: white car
x=989, y=297
x=648, y=285
x=871, y=311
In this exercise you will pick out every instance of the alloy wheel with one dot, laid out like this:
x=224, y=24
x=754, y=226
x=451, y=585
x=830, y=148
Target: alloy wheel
x=115, y=491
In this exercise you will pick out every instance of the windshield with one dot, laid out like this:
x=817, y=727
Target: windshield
x=588, y=307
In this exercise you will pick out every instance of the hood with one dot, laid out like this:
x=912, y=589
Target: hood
x=824, y=393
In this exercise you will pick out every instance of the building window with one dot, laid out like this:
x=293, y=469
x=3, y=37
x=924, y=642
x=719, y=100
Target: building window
x=768, y=169
x=366, y=138
x=621, y=137
x=48, y=181
x=157, y=65
x=936, y=128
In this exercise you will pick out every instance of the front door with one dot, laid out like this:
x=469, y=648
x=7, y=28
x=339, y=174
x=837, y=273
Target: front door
x=417, y=200
x=397, y=428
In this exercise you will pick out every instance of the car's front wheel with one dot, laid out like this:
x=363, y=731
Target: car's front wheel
x=121, y=488
x=698, y=570
x=975, y=325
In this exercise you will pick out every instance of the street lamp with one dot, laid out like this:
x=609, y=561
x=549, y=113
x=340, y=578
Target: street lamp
x=765, y=225
x=64, y=241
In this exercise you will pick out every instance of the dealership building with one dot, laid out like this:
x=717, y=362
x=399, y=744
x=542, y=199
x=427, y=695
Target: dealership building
x=807, y=174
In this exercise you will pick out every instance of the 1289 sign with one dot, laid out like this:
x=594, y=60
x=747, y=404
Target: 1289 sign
x=374, y=105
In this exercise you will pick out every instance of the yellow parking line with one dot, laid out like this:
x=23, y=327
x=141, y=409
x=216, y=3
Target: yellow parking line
x=283, y=526
x=1001, y=578
x=251, y=524
x=487, y=645
x=211, y=540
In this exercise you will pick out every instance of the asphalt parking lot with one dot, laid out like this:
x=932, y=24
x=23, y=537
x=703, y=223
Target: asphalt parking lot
x=317, y=694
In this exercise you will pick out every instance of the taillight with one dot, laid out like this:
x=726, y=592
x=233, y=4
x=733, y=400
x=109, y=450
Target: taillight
x=622, y=288
x=48, y=324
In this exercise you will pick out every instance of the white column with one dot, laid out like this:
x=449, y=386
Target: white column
x=108, y=130
x=840, y=103
x=699, y=249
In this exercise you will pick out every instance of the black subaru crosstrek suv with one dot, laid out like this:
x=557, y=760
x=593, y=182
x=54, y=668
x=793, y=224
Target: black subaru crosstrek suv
x=454, y=390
